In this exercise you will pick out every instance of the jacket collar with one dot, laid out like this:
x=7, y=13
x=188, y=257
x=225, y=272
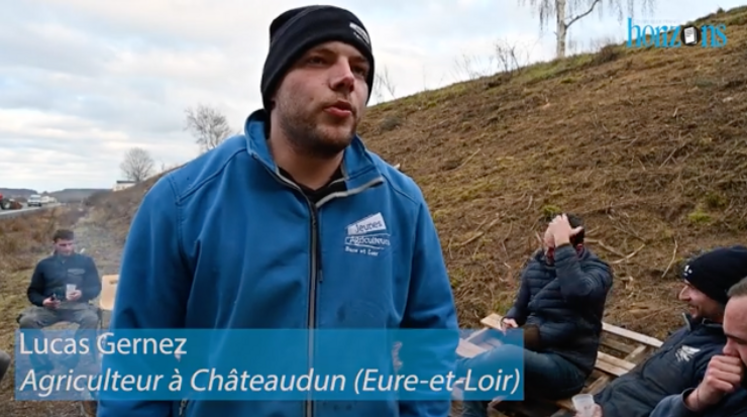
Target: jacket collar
x=548, y=258
x=693, y=323
x=358, y=168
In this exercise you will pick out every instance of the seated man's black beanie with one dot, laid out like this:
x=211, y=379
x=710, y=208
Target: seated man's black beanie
x=297, y=30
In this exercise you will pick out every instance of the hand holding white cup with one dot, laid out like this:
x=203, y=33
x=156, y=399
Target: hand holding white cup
x=584, y=405
x=71, y=292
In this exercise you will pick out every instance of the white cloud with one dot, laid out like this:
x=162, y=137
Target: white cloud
x=82, y=81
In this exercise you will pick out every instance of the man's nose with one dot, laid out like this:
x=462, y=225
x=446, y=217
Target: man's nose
x=342, y=75
x=730, y=349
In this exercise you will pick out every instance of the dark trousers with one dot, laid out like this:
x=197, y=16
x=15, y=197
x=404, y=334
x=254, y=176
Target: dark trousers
x=4, y=363
x=546, y=375
x=34, y=317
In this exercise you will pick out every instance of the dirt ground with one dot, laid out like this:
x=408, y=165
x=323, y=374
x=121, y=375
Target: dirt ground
x=648, y=145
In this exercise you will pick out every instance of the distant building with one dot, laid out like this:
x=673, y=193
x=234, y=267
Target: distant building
x=122, y=184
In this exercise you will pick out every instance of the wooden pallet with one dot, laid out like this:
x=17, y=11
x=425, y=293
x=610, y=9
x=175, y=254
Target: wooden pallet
x=108, y=291
x=620, y=351
x=88, y=408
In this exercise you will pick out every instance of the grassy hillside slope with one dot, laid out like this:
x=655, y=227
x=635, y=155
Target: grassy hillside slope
x=648, y=145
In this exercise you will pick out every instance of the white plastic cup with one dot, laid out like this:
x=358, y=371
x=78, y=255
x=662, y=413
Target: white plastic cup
x=583, y=404
x=69, y=288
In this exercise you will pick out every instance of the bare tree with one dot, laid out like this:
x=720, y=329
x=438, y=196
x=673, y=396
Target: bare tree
x=471, y=67
x=385, y=82
x=167, y=167
x=511, y=58
x=208, y=125
x=137, y=165
x=562, y=9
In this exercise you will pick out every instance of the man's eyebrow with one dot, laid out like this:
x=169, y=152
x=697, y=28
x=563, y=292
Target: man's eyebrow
x=736, y=338
x=320, y=50
x=361, y=59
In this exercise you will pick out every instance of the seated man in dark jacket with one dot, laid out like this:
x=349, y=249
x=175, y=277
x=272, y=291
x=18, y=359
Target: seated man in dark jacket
x=681, y=362
x=560, y=306
x=723, y=391
x=61, y=288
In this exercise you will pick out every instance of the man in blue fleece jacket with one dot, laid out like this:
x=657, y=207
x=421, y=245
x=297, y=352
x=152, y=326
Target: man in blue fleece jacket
x=723, y=391
x=293, y=224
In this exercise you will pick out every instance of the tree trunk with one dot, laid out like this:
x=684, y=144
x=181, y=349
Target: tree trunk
x=562, y=28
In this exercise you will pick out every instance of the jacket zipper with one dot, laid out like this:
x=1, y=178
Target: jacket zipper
x=314, y=278
x=183, y=407
x=315, y=271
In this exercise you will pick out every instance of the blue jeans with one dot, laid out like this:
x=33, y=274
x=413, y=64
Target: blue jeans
x=546, y=375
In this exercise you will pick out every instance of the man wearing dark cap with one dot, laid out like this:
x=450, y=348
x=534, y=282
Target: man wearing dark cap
x=559, y=306
x=293, y=224
x=723, y=390
x=681, y=362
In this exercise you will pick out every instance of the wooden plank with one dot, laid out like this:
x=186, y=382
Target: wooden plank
x=468, y=349
x=607, y=341
x=493, y=343
x=477, y=336
x=601, y=382
x=494, y=321
x=609, y=368
x=108, y=291
x=629, y=334
x=620, y=363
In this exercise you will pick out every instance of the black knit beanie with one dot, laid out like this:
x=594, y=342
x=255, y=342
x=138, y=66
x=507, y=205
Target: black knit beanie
x=297, y=30
x=714, y=272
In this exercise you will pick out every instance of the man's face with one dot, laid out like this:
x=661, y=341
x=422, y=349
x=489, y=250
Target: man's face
x=735, y=328
x=64, y=247
x=548, y=242
x=700, y=305
x=322, y=99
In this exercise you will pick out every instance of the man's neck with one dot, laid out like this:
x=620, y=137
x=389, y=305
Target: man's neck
x=311, y=172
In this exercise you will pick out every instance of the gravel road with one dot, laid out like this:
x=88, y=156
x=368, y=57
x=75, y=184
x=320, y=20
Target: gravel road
x=98, y=242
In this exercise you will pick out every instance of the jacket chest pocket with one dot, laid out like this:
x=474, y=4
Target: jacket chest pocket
x=57, y=275
x=672, y=371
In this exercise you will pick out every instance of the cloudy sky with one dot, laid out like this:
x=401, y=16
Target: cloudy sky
x=82, y=81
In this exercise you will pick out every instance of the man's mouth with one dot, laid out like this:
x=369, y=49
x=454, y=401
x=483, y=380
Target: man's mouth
x=340, y=109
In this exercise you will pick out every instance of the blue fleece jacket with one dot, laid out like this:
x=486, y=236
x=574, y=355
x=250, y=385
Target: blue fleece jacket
x=226, y=242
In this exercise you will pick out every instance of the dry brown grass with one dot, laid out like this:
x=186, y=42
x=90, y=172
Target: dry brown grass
x=116, y=209
x=22, y=238
x=648, y=145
